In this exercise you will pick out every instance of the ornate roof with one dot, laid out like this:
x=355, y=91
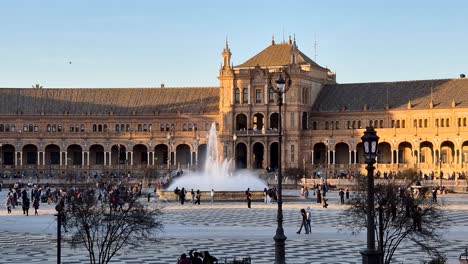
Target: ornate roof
x=277, y=55
x=119, y=101
x=375, y=96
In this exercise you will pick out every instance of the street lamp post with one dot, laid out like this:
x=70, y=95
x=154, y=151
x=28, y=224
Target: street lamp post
x=169, y=148
x=440, y=172
x=370, y=142
x=282, y=87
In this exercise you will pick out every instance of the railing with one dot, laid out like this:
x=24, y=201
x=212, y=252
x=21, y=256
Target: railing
x=256, y=132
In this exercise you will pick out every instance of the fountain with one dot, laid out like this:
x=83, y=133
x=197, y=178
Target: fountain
x=217, y=174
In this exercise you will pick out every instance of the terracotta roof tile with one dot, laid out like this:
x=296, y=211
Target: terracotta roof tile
x=120, y=101
x=353, y=96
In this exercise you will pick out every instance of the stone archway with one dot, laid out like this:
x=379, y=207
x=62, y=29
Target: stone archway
x=118, y=154
x=320, y=153
x=183, y=155
x=274, y=156
x=74, y=155
x=258, y=121
x=202, y=150
x=241, y=122
x=7, y=155
x=341, y=153
x=464, y=152
x=384, y=153
x=96, y=155
x=405, y=153
x=140, y=155
x=447, y=152
x=241, y=156
x=258, y=151
x=30, y=154
x=427, y=152
x=161, y=154
x=52, y=154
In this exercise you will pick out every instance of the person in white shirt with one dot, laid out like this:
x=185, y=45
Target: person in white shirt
x=212, y=196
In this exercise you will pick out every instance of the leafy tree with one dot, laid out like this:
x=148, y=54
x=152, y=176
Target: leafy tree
x=400, y=215
x=103, y=229
x=37, y=86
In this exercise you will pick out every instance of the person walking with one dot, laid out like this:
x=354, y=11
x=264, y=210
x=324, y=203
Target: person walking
x=36, y=206
x=265, y=195
x=248, y=197
x=182, y=196
x=347, y=193
x=192, y=193
x=8, y=204
x=26, y=205
x=342, y=194
x=212, y=193
x=303, y=222
x=309, y=219
x=198, y=197
x=319, y=196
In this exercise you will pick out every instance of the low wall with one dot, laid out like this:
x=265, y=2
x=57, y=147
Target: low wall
x=219, y=195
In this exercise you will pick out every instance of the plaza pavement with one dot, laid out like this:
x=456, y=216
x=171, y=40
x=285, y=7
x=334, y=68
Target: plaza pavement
x=226, y=230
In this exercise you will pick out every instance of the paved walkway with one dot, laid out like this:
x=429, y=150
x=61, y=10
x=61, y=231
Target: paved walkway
x=225, y=230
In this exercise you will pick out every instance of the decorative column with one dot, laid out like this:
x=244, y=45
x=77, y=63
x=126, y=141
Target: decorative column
x=38, y=158
x=43, y=158
x=334, y=156
x=87, y=157
x=83, y=158
x=312, y=160
x=21, y=158
x=66, y=158
x=131, y=157
x=355, y=156
x=61, y=158
x=349, y=157
x=110, y=158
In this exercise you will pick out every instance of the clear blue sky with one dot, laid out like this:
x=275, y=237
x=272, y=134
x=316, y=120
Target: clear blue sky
x=179, y=42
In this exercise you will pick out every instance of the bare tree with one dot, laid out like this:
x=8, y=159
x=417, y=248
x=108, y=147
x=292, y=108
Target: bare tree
x=401, y=215
x=103, y=229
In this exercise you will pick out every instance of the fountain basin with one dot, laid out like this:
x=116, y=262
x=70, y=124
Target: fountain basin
x=219, y=196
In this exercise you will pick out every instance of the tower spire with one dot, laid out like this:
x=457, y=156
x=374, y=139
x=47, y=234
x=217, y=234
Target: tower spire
x=226, y=56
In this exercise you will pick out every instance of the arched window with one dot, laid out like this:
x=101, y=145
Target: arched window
x=127, y=127
x=145, y=127
x=425, y=122
x=105, y=128
x=354, y=125
x=403, y=123
x=376, y=123
x=30, y=128
x=117, y=128
x=245, y=96
x=94, y=128
x=25, y=128
x=54, y=128
x=150, y=127
x=83, y=129
x=48, y=128
x=2, y=128
x=326, y=125
x=184, y=127
x=13, y=128
x=161, y=127
x=195, y=127
x=59, y=128
x=447, y=122
x=140, y=128
x=371, y=123
x=217, y=126
x=271, y=96
x=442, y=122
x=237, y=96
x=36, y=128
x=349, y=125
x=337, y=125
x=207, y=126
x=7, y=128
x=464, y=122
x=99, y=128
x=190, y=127
x=359, y=124
x=381, y=123
x=314, y=125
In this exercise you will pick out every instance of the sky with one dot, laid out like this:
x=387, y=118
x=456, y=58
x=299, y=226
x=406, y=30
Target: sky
x=112, y=43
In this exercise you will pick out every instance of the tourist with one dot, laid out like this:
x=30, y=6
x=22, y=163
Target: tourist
x=176, y=192
x=212, y=195
x=347, y=193
x=192, y=193
x=183, y=259
x=198, y=197
x=306, y=193
x=265, y=195
x=9, y=203
x=36, y=206
x=324, y=202
x=26, y=204
x=319, y=196
x=248, y=197
x=309, y=219
x=303, y=222
x=182, y=193
x=341, y=193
